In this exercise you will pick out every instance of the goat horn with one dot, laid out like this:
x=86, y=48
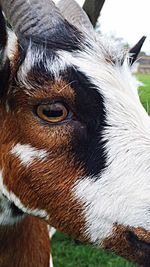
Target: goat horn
x=31, y=17
x=74, y=14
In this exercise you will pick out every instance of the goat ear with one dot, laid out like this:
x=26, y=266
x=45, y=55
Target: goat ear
x=135, y=50
x=75, y=15
x=4, y=62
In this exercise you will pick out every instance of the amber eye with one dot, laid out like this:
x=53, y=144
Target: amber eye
x=52, y=113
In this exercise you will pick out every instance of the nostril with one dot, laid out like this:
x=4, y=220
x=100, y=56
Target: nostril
x=15, y=210
x=136, y=242
x=131, y=238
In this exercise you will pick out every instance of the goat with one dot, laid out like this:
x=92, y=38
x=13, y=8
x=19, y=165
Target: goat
x=74, y=137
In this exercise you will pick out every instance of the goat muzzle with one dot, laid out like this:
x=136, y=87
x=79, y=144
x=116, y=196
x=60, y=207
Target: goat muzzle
x=130, y=243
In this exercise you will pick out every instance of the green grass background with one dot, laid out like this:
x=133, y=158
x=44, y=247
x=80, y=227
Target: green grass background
x=67, y=253
x=144, y=91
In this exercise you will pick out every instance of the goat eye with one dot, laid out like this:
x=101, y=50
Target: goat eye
x=52, y=113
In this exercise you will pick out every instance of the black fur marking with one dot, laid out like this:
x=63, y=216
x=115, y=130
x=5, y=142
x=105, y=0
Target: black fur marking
x=89, y=110
x=3, y=33
x=87, y=143
x=16, y=212
x=64, y=37
x=4, y=66
x=4, y=77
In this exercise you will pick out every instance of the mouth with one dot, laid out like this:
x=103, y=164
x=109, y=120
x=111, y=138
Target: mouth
x=130, y=243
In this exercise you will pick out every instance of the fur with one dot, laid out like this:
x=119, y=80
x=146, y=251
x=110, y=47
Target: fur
x=27, y=154
x=90, y=172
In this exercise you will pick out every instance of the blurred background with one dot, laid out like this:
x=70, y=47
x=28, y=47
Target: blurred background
x=127, y=20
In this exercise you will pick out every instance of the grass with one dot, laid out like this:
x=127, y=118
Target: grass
x=67, y=253
x=144, y=91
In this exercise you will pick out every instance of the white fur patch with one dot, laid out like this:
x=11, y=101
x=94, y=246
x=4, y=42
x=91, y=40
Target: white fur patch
x=33, y=56
x=119, y=195
x=52, y=231
x=12, y=44
x=121, y=192
x=51, y=261
x=28, y=154
x=13, y=198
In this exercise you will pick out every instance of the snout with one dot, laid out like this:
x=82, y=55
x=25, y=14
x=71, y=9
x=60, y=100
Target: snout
x=130, y=243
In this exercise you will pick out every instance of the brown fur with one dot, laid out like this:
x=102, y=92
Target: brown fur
x=45, y=184
x=48, y=184
x=25, y=244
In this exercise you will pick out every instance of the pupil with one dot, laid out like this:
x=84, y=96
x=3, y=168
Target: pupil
x=52, y=113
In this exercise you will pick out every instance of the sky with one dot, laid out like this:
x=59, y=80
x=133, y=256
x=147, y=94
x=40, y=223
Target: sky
x=127, y=19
